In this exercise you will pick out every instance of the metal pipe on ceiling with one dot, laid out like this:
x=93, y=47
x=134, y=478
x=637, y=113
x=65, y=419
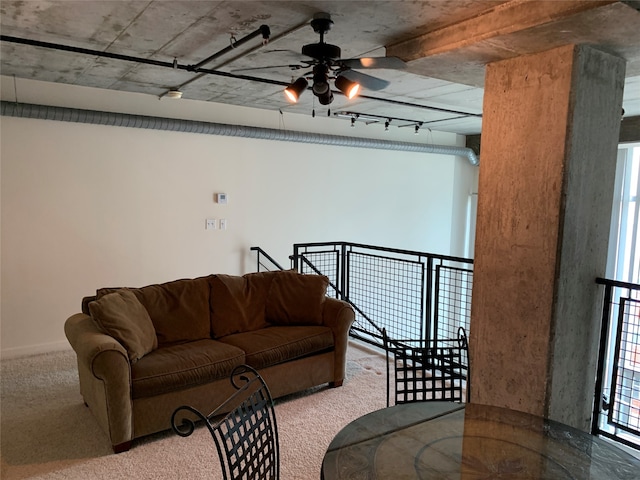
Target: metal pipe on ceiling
x=95, y=117
x=241, y=55
x=263, y=30
x=192, y=68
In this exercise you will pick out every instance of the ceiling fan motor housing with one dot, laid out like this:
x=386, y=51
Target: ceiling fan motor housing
x=321, y=51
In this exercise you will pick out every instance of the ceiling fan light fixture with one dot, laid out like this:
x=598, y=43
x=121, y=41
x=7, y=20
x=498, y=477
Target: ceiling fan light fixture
x=293, y=91
x=320, y=87
x=326, y=98
x=348, y=87
x=320, y=80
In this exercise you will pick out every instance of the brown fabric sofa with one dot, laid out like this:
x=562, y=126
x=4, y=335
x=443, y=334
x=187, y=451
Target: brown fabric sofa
x=143, y=352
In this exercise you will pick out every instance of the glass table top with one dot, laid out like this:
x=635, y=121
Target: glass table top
x=442, y=440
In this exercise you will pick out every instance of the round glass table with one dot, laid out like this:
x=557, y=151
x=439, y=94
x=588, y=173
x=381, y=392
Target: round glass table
x=443, y=440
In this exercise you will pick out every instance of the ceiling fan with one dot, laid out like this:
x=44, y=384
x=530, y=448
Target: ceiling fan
x=325, y=64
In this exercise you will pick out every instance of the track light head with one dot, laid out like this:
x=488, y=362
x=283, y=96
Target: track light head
x=348, y=87
x=293, y=91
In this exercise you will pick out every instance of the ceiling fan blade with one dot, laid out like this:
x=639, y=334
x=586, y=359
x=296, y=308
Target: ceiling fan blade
x=367, y=81
x=374, y=62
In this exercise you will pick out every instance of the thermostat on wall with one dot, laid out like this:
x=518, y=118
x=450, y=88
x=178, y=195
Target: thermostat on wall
x=221, y=198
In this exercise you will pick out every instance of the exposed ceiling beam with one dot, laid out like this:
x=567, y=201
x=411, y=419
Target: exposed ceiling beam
x=518, y=27
x=630, y=130
x=504, y=19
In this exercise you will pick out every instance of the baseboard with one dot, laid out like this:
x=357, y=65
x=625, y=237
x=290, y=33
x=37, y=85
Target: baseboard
x=17, y=352
x=366, y=346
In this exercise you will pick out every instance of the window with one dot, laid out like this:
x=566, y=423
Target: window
x=623, y=264
x=624, y=244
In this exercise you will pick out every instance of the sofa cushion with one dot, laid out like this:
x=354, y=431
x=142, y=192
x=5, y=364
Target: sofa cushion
x=179, y=310
x=296, y=299
x=183, y=366
x=238, y=303
x=274, y=345
x=121, y=315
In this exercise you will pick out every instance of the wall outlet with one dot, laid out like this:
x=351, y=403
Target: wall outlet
x=210, y=224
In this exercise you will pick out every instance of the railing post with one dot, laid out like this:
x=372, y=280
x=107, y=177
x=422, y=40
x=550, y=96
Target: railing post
x=343, y=272
x=429, y=299
x=602, y=353
x=295, y=256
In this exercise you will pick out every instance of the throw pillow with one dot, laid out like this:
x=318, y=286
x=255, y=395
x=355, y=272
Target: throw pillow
x=296, y=299
x=121, y=315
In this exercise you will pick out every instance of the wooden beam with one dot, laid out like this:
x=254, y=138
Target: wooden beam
x=630, y=130
x=507, y=18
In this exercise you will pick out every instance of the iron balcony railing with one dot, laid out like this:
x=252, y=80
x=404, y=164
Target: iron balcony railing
x=617, y=397
x=427, y=296
x=410, y=294
x=265, y=263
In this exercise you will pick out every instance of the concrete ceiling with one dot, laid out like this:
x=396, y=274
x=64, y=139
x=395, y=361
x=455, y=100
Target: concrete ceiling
x=446, y=45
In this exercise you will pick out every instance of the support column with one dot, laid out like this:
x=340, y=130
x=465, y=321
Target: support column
x=549, y=139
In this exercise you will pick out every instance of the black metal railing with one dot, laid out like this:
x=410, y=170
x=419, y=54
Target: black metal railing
x=617, y=397
x=422, y=295
x=410, y=294
x=264, y=261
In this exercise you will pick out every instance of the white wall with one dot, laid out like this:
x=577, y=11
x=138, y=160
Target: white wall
x=86, y=206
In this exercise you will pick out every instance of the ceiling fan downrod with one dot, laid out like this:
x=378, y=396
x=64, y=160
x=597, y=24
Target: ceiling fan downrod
x=321, y=51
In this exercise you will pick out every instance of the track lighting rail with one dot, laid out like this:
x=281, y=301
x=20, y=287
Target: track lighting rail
x=369, y=119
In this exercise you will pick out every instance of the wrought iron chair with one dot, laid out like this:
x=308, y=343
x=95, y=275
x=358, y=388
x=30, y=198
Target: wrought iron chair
x=247, y=437
x=428, y=370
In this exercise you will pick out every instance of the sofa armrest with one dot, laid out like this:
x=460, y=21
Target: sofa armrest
x=339, y=316
x=104, y=373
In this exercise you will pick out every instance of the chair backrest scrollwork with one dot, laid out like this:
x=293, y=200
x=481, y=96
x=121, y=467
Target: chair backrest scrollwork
x=243, y=428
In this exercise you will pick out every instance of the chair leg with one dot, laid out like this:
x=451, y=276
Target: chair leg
x=336, y=384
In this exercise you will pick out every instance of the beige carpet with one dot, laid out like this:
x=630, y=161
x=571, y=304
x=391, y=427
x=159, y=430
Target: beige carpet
x=47, y=432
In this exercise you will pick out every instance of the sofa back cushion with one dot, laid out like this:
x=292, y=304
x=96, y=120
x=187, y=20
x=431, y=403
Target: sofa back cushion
x=179, y=310
x=121, y=315
x=238, y=303
x=296, y=299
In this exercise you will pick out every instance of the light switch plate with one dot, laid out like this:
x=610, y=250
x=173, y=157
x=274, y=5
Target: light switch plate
x=210, y=224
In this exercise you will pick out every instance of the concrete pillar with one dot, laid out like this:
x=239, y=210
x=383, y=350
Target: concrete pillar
x=549, y=139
